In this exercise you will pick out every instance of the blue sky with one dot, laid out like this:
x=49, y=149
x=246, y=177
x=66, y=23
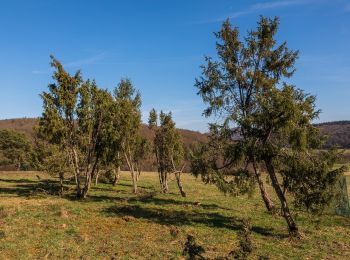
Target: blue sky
x=160, y=45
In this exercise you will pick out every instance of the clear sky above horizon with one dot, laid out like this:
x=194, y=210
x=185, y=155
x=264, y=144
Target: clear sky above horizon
x=160, y=45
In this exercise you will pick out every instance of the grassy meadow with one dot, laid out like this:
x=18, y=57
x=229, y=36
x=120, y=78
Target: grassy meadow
x=115, y=224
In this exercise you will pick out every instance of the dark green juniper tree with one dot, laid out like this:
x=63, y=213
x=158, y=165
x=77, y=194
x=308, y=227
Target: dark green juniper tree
x=15, y=148
x=126, y=124
x=111, y=158
x=246, y=90
x=168, y=149
x=76, y=117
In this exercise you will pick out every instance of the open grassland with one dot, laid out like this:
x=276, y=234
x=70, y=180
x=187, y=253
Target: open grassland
x=114, y=223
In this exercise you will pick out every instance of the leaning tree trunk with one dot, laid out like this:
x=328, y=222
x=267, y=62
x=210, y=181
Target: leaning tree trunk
x=89, y=175
x=86, y=186
x=179, y=183
x=75, y=162
x=132, y=172
x=292, y=226
x=265, y=196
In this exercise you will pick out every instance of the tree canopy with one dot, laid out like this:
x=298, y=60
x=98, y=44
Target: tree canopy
x=76, y=118
x=246, y=89
x=168, y=148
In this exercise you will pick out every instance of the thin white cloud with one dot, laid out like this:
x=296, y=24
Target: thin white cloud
x=256, y=8
x=279, y=4
x=87, y=61
x=270, y=5
x=76, y=64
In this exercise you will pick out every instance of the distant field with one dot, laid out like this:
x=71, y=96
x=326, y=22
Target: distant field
x=114, y=223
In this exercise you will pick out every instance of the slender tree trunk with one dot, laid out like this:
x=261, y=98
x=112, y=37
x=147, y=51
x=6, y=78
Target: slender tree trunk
x=86, y=186
x=89, y=175
x=292, y=226
x=61, y=183
x=265, y=196
x=117, y=172
x=164, y=186
x=160, y=179
x=137, y=171
x=179, y=184
x=132, y=172
x=166, y=183
x=134, y=181
x=88, y=179
x=76, y=171
x=96, y=178
x=116, y=176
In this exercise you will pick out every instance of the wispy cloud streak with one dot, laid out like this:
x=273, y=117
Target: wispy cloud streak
x=270, y=5
x=88, y=61
x=256, y=8
x=96, y=59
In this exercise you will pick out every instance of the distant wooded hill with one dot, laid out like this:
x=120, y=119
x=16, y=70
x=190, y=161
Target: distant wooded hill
x=26, y=125
x=338, y=132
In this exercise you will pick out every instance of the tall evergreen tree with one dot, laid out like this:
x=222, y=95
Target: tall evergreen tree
x=246, y=89
x=76, y=116
x=168, y=149
x=126, y=124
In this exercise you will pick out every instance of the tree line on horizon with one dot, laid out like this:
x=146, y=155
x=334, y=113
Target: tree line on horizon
x=85, y=130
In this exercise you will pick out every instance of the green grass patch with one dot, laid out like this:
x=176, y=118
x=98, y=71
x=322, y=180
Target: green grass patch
x=112, y=222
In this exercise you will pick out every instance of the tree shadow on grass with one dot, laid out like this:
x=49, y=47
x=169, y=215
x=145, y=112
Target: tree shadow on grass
x=169, y=201
x=15, y=191
x=183, y=217
x=151, y=199
x=130, y=185
x=268, y=232
x=17, y=181
x=174, y=217
x=95, y=188
x=27, y=188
